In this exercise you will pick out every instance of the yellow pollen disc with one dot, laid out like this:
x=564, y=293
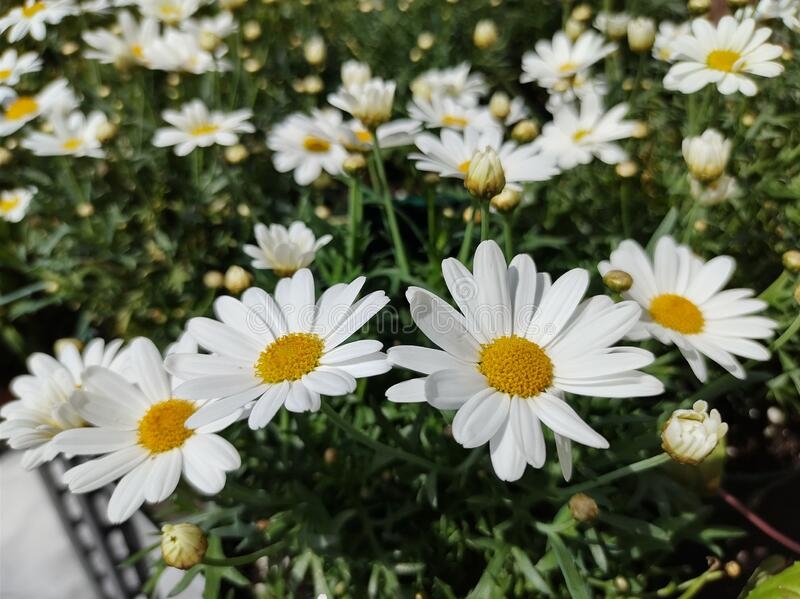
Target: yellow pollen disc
x=315, y=144
x=169, y=12
x=516, y=366
x=21, y=107
x=580, y=134
x=4, y=74
x=450, y=120
x=723, y=60
x=364, y=137
x=567, y=66
x=72, y=144
x=289, y=358
x=29, y=11
x=206, y=129
x=137, y=50
x=464, y=167
x=9, y=204
x=163, y=427
x=677, y=313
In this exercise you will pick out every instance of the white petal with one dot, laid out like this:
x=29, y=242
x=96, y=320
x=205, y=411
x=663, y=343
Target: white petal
x=422, y=359
x=412, y=391
x=528, y=431
x=129, y=494
x=450, y=389
x=507, y=460
x=442, y=325
x=165, y=473
x=480, y=418
x=268, y=405
x=562, y=419
x=98, y=473
x=93, y=441
x=222, y=408
x=148, y=370
x=329, y=381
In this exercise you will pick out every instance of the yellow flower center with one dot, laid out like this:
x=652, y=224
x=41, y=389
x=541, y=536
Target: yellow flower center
x=20, y=108
x=206, y=129
x=137, y=51
x=9, y=204
x=29, y=11
x=451, y=120
x=364, y=136
x=163, y=427
x=677, y=313
x=316, y=144
x=464, y=166
x=580, y=134
x=723, y=60
x=567, y=67
x=5, y=74
x=516, y=366
x=72, y=144
x=169, y=12
x=289, y=358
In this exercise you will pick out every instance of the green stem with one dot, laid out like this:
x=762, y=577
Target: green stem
x=636, y=467
x=365, y=439
x=391, y=217
x=777, y=285
x=430, y=197
x=354, y=208
x=72, y=182
x=701, y=581
x=242, y=560
x=484, y=221
x=466, y=243
x=508, y=237
x=624, y=207
x=789, y=333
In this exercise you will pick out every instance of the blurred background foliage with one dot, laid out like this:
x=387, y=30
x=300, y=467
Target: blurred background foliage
x=136, y=244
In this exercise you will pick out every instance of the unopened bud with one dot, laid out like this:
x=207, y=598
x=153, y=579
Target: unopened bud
x=618, y=280
x=237, y=279
x=699, y=7
x=314, y=51
x=573, y=29
x=582, y=12
x=797, y=293
x=213, y=279
x=231, y=4
x=330, y=455
x=641, y=34
x=485, y=176
x=689, y=436
x=525, y=131
x=354, y=164
x=84, y=209
x=733, y=569
x=640, y=130
x=209, y=41
x=61, y=344
x=251, y=31
x=183, y=545
x=485, y=34
x=5, y=157
x=106, y=131
x=583, y=508
x=425, y=40
x=506, y=200
x=791, y=260
x=627, y=169
x=500, y=105
x=236, y=154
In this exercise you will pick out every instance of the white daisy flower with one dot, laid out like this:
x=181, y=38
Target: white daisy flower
x=45, y=398
x=13, y=66
x=706, y=155
x=787, y=11
x=690, y=436
x=683, y=303
x=511, y=351
x=711, y=193
x=450, y=155
x=14, y=203
x=668, y=34
x=171, y=12
x=210, y=31
x=612, y=24
x=125, y=48
x=33, y=16
x=370, y=102
x=193, y=126
x=19, y=110
x=517, y=111
x=282, y=250
x=554, y=64
x=177, y=51
x=577, y=137
x=143, y=431
x=308, y=145
x=357, y=138
x=73, y=134
x=723, y=55
x=281, y=351
x=457, y=83
x=581, y=86
x=449, y=113
x=355, y=74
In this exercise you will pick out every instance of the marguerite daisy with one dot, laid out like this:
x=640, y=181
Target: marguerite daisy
x=282, y=250
x=125, y=48
x=144, y=433
x=14, y=203
x=13, y=66
x=787, y=11
x=355, y=73
x=73, y=134
x=19, y=110
x=194, y=126
x=515, y=347
x=281, y=351
x=370, y=102
x=668, y=33
x=357, y=138
x=683, y=303
x=177, y=51
x=455, y=82
x=723, y=55
x=449, y=113
x=171, y=12
x=576, y=137
x=33, y=16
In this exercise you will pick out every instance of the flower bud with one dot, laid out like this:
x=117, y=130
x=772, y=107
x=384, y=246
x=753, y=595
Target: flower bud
x=640, y=130
x=485, y=34
x=641, y=34
x=574, y=28
x=613, y=24
x=715, y=192
x=699, y=7
x=791, y=260
x=506, y=200
x=583, y=508
x=231, y=4
x=355, y=73
x=213, y=279
x=797, y=293
x=236, y=154
x=735, y=5
x=500, y=105
x=237, y=279
x=373, y=102
x=425, y=40
x=525, y=131
x=183, y=545
x=5, y=157
x=61, y=344
x=706, y=155
x=106, y=131
x=626, y=169
x=251, y=30
x=582, y=12
x=312, y=84
x=354, y=164
x=689, y=436
x=314, y=51
x=84, y=209
x=618, y=280
x=485, y=176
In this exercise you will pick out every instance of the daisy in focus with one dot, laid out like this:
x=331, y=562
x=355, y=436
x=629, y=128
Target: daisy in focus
x=554, y=64
x=724, y=55
x=18, y=110
x=282, y=250
x=194, y=126
x=74, y=134
x=516, y=344
x=278, y=351
x=125, y=48
x=456, y=82
x=14, y=65
x=683, y=302
x=44, y=404
x=33, y=16
x=308, y=145
x=14, y=203
x=142, y=432
x=576, y=137
x=370, y=102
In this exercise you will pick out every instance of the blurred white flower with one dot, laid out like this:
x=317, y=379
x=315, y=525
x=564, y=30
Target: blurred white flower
x=13, y=66
x=127, y=47
x=714, y=192
x=449, y=113
x=195, y=126
x=641, y=34
x=308, y=144
x=576, y=137
x=683, y=303
x=690, y=436
x=706, y=155
x=179, y=51
x=355, y=73
x=34, y=16
x=453, y=82
x=370, y=102
x=19, y=110
x=723, y=55
x=210, y=31
x=357, y=138
x=282, y=250
x=612, y=24
x=668, y=33
x=14, y=203
x=74, y=134
x=170, y=12
x=787, y=11
x=554, y=64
